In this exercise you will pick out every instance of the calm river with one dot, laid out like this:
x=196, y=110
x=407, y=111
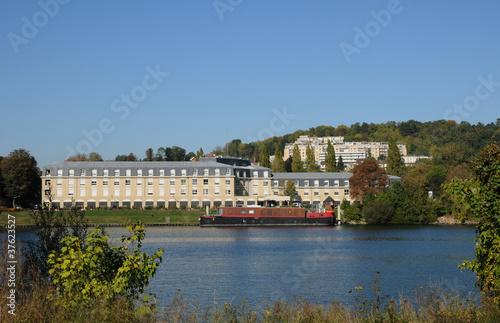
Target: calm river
x=207, y=265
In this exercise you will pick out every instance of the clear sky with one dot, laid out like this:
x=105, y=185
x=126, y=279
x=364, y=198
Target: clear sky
x=121, y=76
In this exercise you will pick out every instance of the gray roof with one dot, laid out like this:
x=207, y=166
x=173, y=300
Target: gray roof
x=312, y=175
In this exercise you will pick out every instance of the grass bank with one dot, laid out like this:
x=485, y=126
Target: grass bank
x=118, y=216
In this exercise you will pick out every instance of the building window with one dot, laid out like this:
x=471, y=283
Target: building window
x=346, y=192
x=93, y=192
x=105, y=172
x=117, y=192
x=82, y=181
x=139, y=172
x=316, y=192
x=195, y=181
x=82, y=192
x=150, y=181
x=205, y=172
x=59, y=182
x=150, y=191
x=71, y=192
x=139, y=192
x=127, y=181
x=161, y=191
x=172, y=182
x=255, y=183
x=216, y=181
x=94, y=172
x=105, y=182
x=183, y=181
x=265, y=183
x=128, y=172
x=183, y=172
x=316, y=183
x=161, y=181
x=327, y=183
x=306, y=183
x=93, y=182
x=117, y=181
x=216, y=190
x=47, y=172
x=117, y=172
x=139, y=181
x=195, y=172
x=255, y=173
x=255, y=191
x=71, y=172
x=172, y=191
x=266, y=191
x=128, y=192
x=205, y=181
x=59, y=192
x=336, y=183
x=104, y=192
x=327, y=192
x=228, y=171
x=82, y=172
x=306, y=192
x=162, y=172
x=150, y=172
x=228, y=181
x=336, y=192
x=194, y=191
x=172, y=172
x=276, y=183
x=228, y=191
x=59, y=172
x=205, y=191
x=276, y=192
x=217, y=172
x=346, y=183
x=266, y=174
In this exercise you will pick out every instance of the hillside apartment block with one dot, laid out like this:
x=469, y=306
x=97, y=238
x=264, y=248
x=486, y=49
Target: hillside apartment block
x=351, y=152
x=211, y=181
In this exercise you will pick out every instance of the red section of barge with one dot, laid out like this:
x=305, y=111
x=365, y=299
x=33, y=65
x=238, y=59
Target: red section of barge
x=267, y=216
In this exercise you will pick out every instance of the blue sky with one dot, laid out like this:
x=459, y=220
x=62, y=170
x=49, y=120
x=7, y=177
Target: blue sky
x=121, y=76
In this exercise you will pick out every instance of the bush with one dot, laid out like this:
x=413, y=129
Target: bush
x=378, y=212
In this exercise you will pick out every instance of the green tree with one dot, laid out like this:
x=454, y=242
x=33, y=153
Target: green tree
x=93, y=156
x=264, y=158
x=394, y=163
x=481, y=198
x=278, y=162
x=311, y=161
x=121, y=158
x=297, y=164
x=340, y=164
x=330, y=159
x=91, y=269
x=289, y=189
x=199, y=154
x=150, y=156
x=378, y=212
x=21, y=177
x=78, y=157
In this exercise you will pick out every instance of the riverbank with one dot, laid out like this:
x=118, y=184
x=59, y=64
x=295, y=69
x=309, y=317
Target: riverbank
x=119, y=217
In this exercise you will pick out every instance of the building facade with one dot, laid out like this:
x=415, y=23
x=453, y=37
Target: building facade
x=351, y=152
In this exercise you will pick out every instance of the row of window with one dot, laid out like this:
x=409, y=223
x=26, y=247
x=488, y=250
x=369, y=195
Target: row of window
x=139, y=172
x=150, y=192
x=194, y=191
x=128, y=181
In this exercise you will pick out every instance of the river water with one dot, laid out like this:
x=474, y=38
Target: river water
x=217, y=265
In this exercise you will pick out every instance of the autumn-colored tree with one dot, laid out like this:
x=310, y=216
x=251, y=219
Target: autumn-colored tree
x=297, y=164
x=131, y=157
x=330, y=159
x=93, y=156
x=78, y=157
x=367, y=178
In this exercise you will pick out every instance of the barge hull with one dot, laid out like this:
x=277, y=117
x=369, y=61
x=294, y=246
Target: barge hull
x=217, y=221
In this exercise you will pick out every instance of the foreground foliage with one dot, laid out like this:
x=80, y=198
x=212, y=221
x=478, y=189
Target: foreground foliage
x=81, y=275
x=481, y=199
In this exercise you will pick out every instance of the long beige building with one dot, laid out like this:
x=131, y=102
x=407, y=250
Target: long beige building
x=211, y=181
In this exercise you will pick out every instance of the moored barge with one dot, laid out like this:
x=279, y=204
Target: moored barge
x=268, y=216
